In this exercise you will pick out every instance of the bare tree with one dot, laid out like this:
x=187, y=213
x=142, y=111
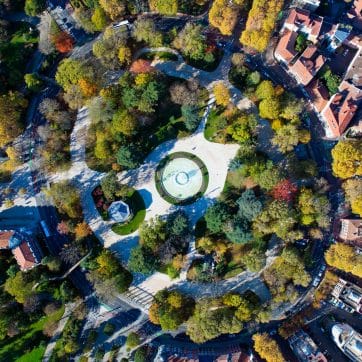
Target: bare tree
x=46, y=46
x=70, y=253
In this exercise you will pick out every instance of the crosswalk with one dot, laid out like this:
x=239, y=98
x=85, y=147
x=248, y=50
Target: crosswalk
x=139, y=297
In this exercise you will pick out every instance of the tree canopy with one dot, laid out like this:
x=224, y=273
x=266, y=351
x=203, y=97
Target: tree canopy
x=12, y=106
x=347, y=158
x=267, y=348
x=344, y=257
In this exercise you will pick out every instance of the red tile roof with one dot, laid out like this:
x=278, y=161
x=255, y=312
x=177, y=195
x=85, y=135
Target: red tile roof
x=319, y=94
x=5, y=236
x=303, y=18
x=308, y=64
x=24, y=256
x=341, y=108
x=285, y=48
x=356, y=10
x=351, y=230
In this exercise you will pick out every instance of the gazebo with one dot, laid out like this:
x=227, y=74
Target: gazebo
x=119, y=211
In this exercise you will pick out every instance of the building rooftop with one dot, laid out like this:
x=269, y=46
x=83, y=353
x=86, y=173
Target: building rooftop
x=308, y=64
x=305, y=21
x=318, y=93
x=349, y=294
x=5, y=236
x=355, y=14
x=348, y=340
x=351, y=230
x=285, y=49
x=25, y=249
x=26, y=256
x=341, y=108
x=305, y=349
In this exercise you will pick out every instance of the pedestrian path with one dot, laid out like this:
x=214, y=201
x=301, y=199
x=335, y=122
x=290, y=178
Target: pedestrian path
x=215, y=156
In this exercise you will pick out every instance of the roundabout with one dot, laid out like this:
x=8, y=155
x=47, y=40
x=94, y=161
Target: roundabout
x=181, y=178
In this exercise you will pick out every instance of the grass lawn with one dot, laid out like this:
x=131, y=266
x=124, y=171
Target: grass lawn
x=159, y=55
x=215, y=126
x=34, y=356
x=138, y=208
x=13, y=348
x=204, y=65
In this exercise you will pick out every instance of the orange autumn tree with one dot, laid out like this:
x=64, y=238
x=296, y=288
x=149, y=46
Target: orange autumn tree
x=141, y=66
x=87, y=88
x=63, y=42
x=82, y=230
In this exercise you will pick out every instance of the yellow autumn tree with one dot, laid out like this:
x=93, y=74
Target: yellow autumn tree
x=222, y=94
x=223, y=15
x=347, y=158
x=87, y=88
x=353, y=190
x=260, y=24
x=124, y=55
x=344, y=257
x=267, y=348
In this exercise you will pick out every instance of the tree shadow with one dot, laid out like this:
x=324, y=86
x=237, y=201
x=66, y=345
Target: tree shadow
x=147, y=197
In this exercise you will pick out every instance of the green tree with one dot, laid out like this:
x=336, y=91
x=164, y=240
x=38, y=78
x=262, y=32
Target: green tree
x=99, y=19
x=113, y=8
x=172, y=309
x=145, y=30
x=69, y=73
x=249, y=205
x=238, y=231
x=52, y=262
x=19, y=286
x=179, y=224
x=142, y=260
x=216, y=216
x=254, y=260
x=107, y=48
x=66, y=198
x=191, y=42
x=191, y=116
x=109, y=268
x=253, y=78
x=265, y=174
x=133, y=340
x=12, y=106
x=33, y=82
x=210, y=321
x=165, y=7
x=288, y=136
x=34, y=7
x=153, y=233
x=276, y=218
x=141, y=355
x=128, y=156
x=124, y=122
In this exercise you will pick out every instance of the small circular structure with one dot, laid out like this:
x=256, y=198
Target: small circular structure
x=181, y=178
x=119, y=211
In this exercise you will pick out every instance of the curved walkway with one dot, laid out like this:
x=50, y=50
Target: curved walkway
x=216, y=158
